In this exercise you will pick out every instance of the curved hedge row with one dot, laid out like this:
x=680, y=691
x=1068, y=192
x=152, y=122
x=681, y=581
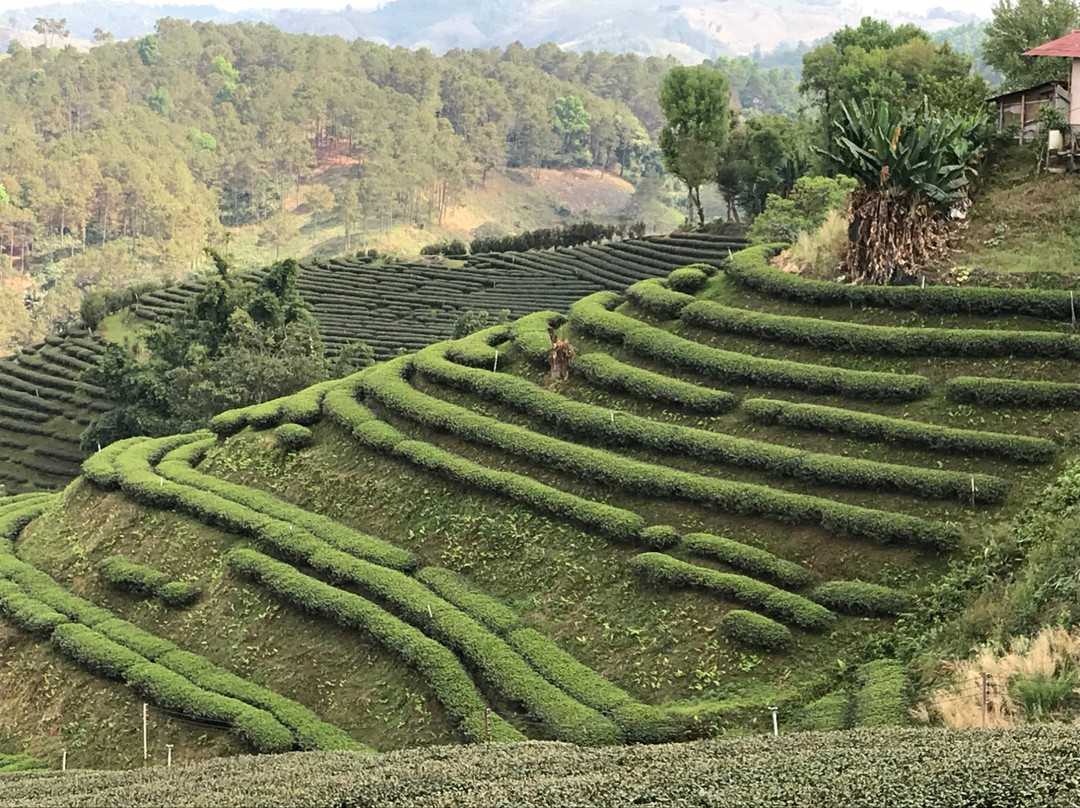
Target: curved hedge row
x=747, y=558
x=120, y=650
x=750, y=268
x=300, y=408
x=386, y=383
x=500, y=666
x=868, y=426
x=660, y=568
x=603, y=370
x=530, y=335
x=16, y=514
x=142, y=579
x=638, y=723
x=593, y=315
x=174, y=485
x=878, y=340
x=437, y=664
x=987, y=392
x=751, y=628
x=773, y=459
x=654, y=296
x=861, y=598
x=343, y=408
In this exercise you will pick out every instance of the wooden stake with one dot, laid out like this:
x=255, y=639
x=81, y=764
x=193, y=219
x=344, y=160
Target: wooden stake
x=986, y=695
x=487, y=733
x=495, y=367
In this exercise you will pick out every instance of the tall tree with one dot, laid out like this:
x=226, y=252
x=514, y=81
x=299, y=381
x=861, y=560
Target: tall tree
x=695, y=101
x=320, y=200
x=1019, y=25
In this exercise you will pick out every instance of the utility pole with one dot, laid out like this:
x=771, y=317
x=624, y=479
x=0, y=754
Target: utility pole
x=145, y=751
x=168, y=750
x=986, y=696
x=775, y=726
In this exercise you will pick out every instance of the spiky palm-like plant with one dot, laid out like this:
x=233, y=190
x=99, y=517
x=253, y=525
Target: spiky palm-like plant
x=912, y=168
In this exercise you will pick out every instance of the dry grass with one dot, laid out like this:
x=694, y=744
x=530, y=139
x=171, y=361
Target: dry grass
x=960, y=703
x=818, y=255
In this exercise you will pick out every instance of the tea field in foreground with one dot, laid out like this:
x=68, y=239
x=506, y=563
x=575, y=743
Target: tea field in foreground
x=746, y=480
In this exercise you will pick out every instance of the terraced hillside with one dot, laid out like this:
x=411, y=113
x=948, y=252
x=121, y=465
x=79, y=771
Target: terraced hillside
x=391, y=307
x=44, y=406
x=745, y=479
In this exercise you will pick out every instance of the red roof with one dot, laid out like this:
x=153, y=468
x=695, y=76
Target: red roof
x=1068, y=45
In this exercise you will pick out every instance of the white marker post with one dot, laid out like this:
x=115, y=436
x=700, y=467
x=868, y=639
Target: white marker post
x=775, y=726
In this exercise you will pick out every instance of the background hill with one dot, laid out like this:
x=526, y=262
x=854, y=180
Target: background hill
x=689, y=31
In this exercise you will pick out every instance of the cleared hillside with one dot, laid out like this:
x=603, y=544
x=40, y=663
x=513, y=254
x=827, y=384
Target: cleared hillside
x=905, y=768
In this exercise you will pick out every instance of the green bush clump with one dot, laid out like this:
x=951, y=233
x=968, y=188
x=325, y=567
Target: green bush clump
x=830, y=713
x=292, y=437
x=142, y=579
x=100, y=468
x=691, y=279
x=477, y=350
x=880, y=700
x=653, y=296
x=617, y=523
x=754, y=560
x=9, y=764
x=750, y=268
x=868, y=426
x=660, y=568
x=659, y=537
x=437, y=664
x=300, y=408
x=94, y=651
x=987, y=392
x=530, y=335
x=861, y=598
x=879, y=340
x=386, y=384
x=28, y=614
x=603, y=370
x=751, y=628
x=592, y=315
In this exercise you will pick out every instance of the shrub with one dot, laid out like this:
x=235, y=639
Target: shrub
x=530, y=335
x=385, y=383
x=751, y=628
x=300, y=408
x=27, y=613
x=476, y=604
x=653, y=296
x=664, y=569
x=747, y=558
x=827, y=714
x=803, y=210
x=603, y=370
x=750, y=268
x=861, y=598
x=543, y=239
x=880, y=700
x=987, y=392
x=94, y=651
x=690, y=280
x=450, y=246
x=592, y=315
x=122, y=573
x=292, y=437
x=868, y=426
x=878, y=340
x=659, y=537
x=179, y=594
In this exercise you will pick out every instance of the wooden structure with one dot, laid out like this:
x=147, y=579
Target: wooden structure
x=1021, y=107
x=1067, y=47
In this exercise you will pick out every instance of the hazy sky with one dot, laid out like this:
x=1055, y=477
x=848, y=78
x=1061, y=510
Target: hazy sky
x=883, y=8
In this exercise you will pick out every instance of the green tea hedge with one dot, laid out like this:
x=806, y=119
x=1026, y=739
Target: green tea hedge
x=751, y=628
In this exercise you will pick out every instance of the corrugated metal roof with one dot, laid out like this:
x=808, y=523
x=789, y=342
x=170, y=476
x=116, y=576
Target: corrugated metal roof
x=1046, y=86
x=1068, y=45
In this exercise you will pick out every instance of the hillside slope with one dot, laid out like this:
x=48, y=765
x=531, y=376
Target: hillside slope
x=744, y=480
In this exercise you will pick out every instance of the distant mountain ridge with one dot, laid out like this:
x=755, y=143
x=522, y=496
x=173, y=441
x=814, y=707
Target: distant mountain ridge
x=689, y=30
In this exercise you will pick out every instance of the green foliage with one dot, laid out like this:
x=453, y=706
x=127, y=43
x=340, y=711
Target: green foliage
x=691, y=279
x=869, y=426
x=880, y=700
x=802, y=211
x=749, y=559
x=751, y=269
x=661, y=570
x=861, y=598
x=142, y=579
x=470, y=321
x=530, y=335
x=654, y=296
x=1043, y=694
x=572, y=125
x=827, y=714
x=148, y=50
x=9, y=764
x=160, y=101
x=352, y=357
x=1019, y=25
x=751, y=628
x=879, y=340
x=610, y=521
x=603, y=370
x=695, y=102
x=593, y=316
x=987, y=392
x=448, y=246
x=544, y=239
x=292, y=437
